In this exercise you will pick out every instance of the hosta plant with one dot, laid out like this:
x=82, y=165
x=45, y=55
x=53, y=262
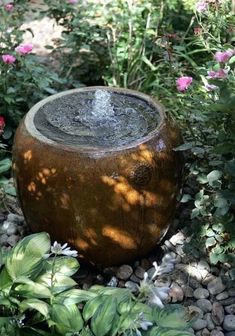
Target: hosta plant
x=38, y=296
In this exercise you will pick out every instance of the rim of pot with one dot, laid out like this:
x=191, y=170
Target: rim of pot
x=33, y=131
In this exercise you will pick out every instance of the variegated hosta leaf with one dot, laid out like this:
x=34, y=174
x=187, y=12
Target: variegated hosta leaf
x=67, y=319
x=74, y=296
x=64, y=265
x=101, y=322
x=92, y=306
x=41, y=306
x=5, y=280
x=172, y=317
x=158, y=331
x=26, y=257
x=59, y=283
x=30, y=289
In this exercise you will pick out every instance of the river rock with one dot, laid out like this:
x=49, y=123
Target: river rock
x=188, y=291
x=216, y=332
x=199, y=324
x=113, y=282
x=139, y=272
x=178, y=238
x=222, y=296
x=217, y=313
x=210, y=323
x=229, y=323
x=230, y=309
x=176, y=293
x=228, y=301
x=124, y=272
x=231, y=333
x=13, y=239
x=216, y=286
x=205, y=305
x=231, y=292
x=201, y=293
x=205, y=332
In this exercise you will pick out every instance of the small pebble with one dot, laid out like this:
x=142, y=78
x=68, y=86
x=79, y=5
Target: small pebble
x=124, y=272
x=188, y=291
x=210, y=323
x=217, y=313
x=216, y=332
x=201, y=293
x=12, y=240
x=228, y=301
x=205, y=332
x=176, y=293
x=132, y=286
x=113, y=282
x=229, y=323
x=222, y=296
x=199, y=324
x=205, y=305
x=231, y=292
x=230, y=309
x=216, y=286
x=139, y=272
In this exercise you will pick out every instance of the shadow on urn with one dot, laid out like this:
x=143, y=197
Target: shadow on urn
x=95, y=167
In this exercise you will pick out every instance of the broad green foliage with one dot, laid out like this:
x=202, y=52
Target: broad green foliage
x=38, y=297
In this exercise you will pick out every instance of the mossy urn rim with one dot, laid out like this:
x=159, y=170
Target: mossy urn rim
x=31, y=128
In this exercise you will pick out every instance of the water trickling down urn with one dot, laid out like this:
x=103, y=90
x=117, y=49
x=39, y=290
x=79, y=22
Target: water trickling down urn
x=95, y=167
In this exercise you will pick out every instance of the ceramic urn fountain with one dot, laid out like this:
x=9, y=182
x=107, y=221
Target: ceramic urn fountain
x=95, y=167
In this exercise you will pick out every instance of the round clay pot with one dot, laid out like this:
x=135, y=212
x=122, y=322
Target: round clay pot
x=112, y=204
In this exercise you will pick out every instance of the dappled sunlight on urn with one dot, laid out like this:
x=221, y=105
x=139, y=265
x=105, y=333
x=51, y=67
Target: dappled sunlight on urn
x=110, y=196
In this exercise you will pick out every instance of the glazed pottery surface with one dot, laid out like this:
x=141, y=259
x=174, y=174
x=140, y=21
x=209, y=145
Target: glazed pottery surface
x=112, y=204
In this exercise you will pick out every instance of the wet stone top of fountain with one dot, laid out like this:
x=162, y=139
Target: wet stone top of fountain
x=96, y=119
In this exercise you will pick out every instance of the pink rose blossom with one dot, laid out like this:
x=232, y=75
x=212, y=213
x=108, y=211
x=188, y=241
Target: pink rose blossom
x=8, y=59
x=221, y=73
x=9, y=7
x=223, y=56
x=211, y=87
x=201, y=6
x=72, y=2
x=183, y=83
x=24, y=49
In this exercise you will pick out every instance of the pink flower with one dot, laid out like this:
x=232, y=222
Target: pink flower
x=9, y=7
x=24, y=49
x=2, y=124
x=211, y=87
x=72, y=2
x=223, y=56
x=221, y=73
x=201, y=6
x=183, y=83
x=8, y=59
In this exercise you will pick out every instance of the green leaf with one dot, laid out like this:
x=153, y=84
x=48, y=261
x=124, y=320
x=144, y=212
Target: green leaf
x=5, y=280
x=5, y=165
x=60, y=282
x=185, y=146
x=185, y=198
x=214, y=176
x=210, y=241
x=67, y=319
x=92, y=306
x=172, y=316
x=26, y=257
x=101, y=322
x=73, y=296
x=31, y=289
x=64, y=265
x=35, y=304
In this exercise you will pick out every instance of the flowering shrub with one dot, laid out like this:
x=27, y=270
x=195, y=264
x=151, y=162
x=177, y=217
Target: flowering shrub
x=23, y=80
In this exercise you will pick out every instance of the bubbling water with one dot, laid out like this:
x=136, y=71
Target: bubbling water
x=96, y=118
